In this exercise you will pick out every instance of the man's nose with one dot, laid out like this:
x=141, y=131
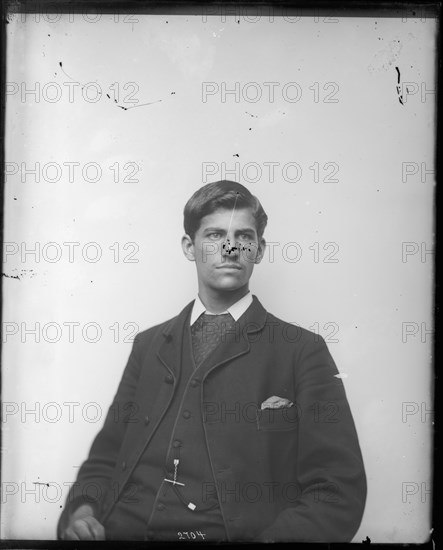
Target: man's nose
x=230, y=248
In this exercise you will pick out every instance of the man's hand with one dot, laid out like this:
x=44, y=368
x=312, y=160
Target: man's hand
x=83, y=525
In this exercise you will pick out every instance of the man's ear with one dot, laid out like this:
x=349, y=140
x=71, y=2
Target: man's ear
x=260, y=251
x=188, y=248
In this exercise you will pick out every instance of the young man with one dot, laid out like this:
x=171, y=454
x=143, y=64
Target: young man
x=228, y=424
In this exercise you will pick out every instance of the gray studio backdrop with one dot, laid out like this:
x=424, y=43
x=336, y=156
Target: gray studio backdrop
x=113, y=121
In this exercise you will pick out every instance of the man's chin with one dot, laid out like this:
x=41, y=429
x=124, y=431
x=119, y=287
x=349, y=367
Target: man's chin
x=229, y=286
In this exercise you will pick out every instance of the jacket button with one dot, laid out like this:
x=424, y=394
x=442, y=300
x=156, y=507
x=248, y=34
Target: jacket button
x=160, y=506
x=186, y=414
x=123, y=465
x=147, y=420
x=169, y=379
x=176, y=443
x=194, y=382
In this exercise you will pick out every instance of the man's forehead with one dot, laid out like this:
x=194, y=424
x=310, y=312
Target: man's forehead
x=229, y=215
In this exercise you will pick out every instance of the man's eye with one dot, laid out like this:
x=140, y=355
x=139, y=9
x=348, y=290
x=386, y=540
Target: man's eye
x=214, y=236
x=245, y=237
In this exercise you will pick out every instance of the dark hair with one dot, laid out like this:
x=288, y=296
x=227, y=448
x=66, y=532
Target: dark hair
x=221, y=194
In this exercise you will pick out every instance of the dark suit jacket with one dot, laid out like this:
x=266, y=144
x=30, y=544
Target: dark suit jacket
x=305, y=460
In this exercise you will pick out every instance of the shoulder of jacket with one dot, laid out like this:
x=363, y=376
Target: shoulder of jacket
x=293, y=331
x=157, y=330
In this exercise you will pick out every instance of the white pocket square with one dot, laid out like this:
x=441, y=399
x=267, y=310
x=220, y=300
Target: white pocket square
x=276, y=402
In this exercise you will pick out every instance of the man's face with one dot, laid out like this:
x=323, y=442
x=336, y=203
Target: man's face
x=225, y=249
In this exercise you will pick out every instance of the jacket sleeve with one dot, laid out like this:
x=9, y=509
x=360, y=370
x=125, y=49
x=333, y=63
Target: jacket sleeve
x=94, y=477
x=329, y=466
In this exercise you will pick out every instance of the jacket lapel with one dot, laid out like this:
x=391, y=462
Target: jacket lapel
x=170, y=349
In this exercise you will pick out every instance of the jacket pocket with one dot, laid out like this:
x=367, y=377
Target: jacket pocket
x=277, y=420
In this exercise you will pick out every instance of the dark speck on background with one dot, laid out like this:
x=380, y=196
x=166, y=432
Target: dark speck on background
x=400, y=96
x=11, y=276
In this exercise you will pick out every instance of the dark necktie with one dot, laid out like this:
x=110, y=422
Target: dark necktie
x=207, y=333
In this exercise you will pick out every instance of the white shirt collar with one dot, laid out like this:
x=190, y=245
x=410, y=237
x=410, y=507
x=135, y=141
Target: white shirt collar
x=236, y=310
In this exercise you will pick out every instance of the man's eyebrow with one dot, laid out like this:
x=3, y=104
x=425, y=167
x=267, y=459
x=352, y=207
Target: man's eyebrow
x=246, y=230
x=219, y=229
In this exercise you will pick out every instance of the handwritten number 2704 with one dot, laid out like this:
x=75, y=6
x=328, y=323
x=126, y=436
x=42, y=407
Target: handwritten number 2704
x=190, y=535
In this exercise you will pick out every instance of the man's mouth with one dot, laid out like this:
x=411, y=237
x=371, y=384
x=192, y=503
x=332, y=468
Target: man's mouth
x=230, y=266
